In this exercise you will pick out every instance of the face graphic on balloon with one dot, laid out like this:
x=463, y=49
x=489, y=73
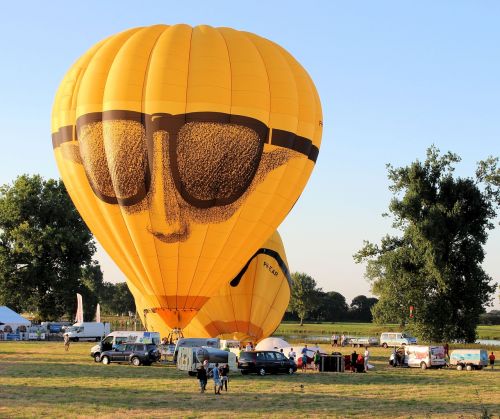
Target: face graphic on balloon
x=202, y=165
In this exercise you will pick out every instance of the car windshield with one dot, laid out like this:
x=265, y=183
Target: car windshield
x=74, y=329
x=246, y=356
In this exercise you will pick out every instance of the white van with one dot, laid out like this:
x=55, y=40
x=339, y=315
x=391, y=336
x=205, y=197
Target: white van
x=87, y=331
x=118, y=337
x=396, y=339
x=189, y=358
x=419, y=356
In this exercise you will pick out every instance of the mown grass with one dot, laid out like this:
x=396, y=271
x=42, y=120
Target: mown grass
x=39, y=379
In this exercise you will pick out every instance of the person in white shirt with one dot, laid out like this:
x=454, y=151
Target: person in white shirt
x=248, y=347
x=367, y=356
x=292, y=354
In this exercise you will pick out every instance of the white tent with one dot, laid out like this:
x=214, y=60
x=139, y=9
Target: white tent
x=10, y=318
x=269, y=344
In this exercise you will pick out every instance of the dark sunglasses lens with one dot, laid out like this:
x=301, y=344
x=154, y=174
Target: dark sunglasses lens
x=215, y=162
x=115, y=159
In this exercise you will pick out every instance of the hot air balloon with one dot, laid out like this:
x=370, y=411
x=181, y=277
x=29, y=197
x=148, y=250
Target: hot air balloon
x=251, y=306
x=183, y=149
x=247, y=308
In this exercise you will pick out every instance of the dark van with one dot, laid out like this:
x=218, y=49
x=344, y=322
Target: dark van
x=262, y=362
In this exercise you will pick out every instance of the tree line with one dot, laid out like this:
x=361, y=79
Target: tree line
x=46, y=255
x=310, y=303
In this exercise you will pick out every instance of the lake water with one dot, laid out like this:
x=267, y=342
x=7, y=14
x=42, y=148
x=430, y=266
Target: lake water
x=323, y=339
x=488, y=342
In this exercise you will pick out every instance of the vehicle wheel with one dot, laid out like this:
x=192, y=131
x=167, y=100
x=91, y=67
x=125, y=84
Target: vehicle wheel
x=262, y=372
x=423, y=365
x=468, y=367
x=76, y=339
x=105, y=360
x=290, y=370
x=384, y=345
x=97, y=357
x=479, y=367
x=459, y=367
x=135, y=361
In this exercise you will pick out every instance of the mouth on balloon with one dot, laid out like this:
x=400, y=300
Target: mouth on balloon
x=179, y=235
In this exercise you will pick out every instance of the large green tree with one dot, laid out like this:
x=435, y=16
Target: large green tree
x=45, y=248
x=329, y=306
x=360, y=309
x=435, y=264
x=304, y=295
x=117, y=299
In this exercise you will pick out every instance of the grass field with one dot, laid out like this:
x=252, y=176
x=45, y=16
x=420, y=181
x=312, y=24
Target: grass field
x=39, y=379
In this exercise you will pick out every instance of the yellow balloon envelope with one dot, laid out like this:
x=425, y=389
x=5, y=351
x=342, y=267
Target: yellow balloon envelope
x=248, y=308
x=252, y=305
x=183, y=149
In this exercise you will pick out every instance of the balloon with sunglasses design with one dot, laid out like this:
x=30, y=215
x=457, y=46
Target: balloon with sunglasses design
x=183, y=148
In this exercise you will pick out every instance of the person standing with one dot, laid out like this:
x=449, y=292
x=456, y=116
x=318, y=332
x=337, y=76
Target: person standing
x=224, y=371
x=367, y=356
x=292, y=354
x=217, y=380
x=492, y=359
x=67, y=341
x=354, y=359
x=317, y=360
x=342, y=340
x=201, y=375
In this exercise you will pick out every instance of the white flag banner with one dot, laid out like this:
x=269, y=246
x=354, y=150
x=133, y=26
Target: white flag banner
x=79, y=309
x=98, y=313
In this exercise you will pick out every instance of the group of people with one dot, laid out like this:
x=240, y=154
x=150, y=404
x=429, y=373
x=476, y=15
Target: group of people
x=338, y=340
x=359, y=362
x=219, y=374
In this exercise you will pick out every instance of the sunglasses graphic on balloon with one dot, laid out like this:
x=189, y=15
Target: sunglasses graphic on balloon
x=202, y=164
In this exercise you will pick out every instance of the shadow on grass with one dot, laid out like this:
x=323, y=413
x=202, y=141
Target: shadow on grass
x=239, y=402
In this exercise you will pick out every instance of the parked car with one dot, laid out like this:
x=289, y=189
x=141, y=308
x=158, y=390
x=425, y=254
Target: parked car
x=470, y=359
x=262, y=362
x=119, y=337
x=396, y=339
x=132, y=353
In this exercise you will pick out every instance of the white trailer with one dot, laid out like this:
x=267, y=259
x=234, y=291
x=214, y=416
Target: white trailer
x=190, y=358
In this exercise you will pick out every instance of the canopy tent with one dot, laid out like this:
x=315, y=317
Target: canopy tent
x=10, y=318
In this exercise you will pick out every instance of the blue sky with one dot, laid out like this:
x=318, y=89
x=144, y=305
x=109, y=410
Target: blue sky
x=394, y=77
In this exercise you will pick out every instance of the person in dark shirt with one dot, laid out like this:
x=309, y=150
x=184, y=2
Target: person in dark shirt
x=201, y=375
x=354, y=358
x=224, y=371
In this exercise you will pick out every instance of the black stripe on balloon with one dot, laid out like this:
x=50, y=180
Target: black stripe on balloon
x=269, y=252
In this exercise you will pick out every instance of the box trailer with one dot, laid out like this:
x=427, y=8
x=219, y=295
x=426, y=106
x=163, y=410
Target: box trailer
x=470, y=359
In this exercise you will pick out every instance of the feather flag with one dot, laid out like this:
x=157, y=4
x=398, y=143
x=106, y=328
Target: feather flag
x=79, y=309
x=98, y=313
